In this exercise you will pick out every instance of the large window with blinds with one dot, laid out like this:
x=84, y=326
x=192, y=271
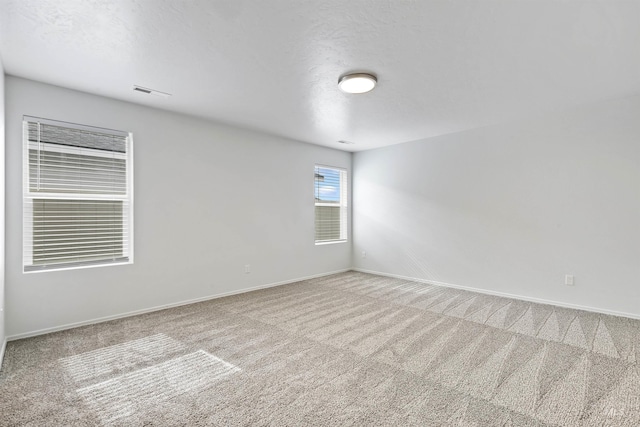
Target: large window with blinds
x=331, y=204
x=78, y=195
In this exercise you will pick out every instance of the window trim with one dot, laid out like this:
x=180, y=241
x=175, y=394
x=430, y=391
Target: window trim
x=127, y=198
x=342, y=204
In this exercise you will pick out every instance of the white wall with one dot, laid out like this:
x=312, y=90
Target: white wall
x=209, y=199
x=2, y=305
x=512, y=208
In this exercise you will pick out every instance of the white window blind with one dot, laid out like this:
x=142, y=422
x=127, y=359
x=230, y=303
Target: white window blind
x=331, y=204
x=78, y=195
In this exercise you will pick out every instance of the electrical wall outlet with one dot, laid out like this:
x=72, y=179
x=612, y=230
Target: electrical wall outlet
x=364, y=254
x=247, y=268
x=568, y=279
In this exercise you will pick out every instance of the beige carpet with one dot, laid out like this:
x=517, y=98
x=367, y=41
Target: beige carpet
x=348, y=349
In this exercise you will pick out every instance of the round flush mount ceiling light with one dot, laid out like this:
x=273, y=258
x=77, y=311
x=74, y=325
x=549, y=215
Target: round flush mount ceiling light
x=357, y=82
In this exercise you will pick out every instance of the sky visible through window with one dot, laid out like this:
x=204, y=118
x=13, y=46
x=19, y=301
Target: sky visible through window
x=327, y=186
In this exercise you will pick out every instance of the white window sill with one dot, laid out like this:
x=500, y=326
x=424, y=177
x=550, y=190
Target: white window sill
x=77, y=267
x=331, y=242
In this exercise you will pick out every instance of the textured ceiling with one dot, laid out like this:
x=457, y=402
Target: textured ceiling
x=273, y=65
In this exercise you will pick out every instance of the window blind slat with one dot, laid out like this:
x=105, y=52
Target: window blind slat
x=81, y=172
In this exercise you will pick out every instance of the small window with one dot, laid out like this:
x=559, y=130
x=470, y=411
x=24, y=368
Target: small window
x=78, y=195
x=331, y=204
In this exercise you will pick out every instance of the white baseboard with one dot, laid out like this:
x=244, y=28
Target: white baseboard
x=161, y=307
x=285, y=282
x=503, y=294
x=2, y=350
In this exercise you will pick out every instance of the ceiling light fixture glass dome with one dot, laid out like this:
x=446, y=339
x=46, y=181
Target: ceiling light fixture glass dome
x=357, y=82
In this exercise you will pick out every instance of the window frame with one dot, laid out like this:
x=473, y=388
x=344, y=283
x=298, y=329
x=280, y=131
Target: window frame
x=343, y=205
x=30, y=196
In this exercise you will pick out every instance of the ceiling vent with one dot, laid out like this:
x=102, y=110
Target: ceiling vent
x=150, y=91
